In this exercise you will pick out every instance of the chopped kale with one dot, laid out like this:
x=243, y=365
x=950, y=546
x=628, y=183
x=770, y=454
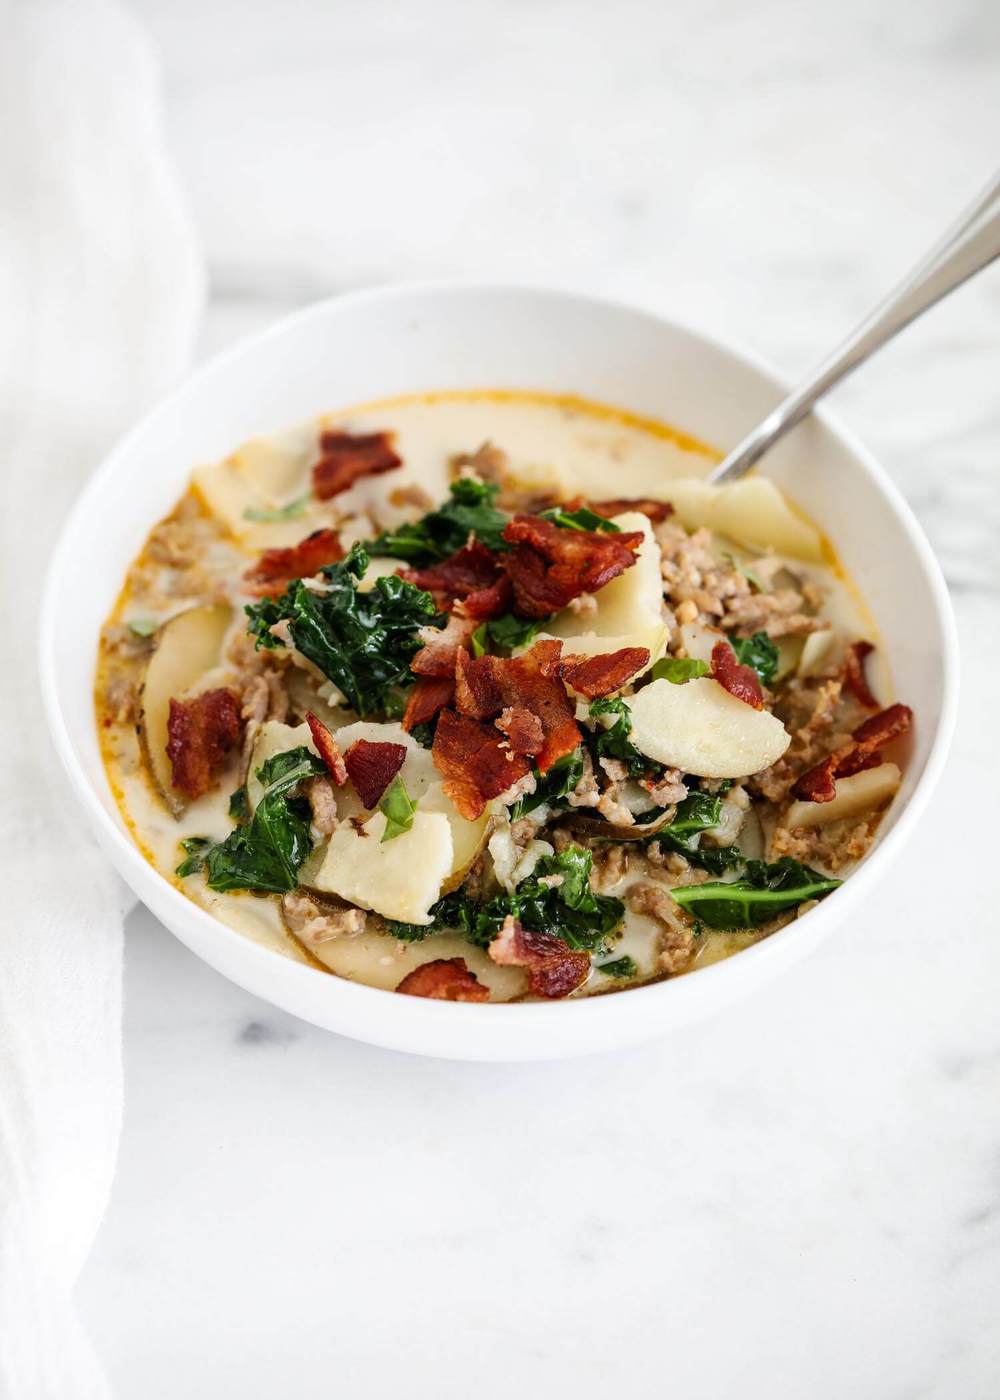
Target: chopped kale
x=570, y=910
x=266, y=853
x=698, y=812
x=363, y=642
x=582, y=519
x=759, y=652
x=239, y=805
x=620, y=968
x=552, y=788
x=424, y=733
x=679, y=669
x=444, y=531
x=614, y=742
x=763, y=892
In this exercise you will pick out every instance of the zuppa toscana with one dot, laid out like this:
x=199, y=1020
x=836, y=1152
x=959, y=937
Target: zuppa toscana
x=489, y=697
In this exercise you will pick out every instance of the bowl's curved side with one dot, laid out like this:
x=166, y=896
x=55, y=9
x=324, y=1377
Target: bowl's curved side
x=394, y=340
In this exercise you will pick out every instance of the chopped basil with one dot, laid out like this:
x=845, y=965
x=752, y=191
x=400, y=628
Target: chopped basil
x=582, y=519
x=677, y=669
x=292, y=511
x=397, y=809
x=478, y=640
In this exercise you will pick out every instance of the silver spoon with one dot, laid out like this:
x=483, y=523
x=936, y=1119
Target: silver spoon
x=969, y=245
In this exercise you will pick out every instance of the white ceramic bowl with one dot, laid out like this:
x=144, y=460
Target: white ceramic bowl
x=401, y=339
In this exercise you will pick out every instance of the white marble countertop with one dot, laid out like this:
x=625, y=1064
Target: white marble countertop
x=801, y=1197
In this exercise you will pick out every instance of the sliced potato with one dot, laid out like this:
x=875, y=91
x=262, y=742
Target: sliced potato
x=265, y=475
x=399, y=879
x=418, y=771
x=630, y=604
x=816, y=651
x=468, y=838
x=186, y=648
x=274, y=737
x=752, y=511
x=861, y=792
x=700, y=728
x=699, y=641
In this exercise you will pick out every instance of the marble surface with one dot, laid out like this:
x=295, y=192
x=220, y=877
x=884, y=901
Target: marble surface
x=801, y=1197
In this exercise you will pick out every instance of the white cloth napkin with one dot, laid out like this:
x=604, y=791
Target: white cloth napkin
x=100, y=290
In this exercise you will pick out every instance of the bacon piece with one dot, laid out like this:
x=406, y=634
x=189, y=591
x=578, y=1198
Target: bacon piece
x=277, y=567
x=549, y=566
x=819, y=783
x=523, y=729
x=597, y=676
x=473, y=577
x=741, y=681
x=854, y=674
x=328, y=750
x=655, y=510
x=372, y=768
x=346, y=457
x=553, y=969
x=487, y=685
x=445, y=979
x=474, y=763
x=200, y=733
x=437, y=656
x=430, y=694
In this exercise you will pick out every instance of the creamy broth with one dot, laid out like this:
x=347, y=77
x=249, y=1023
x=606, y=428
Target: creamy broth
x=556, y=447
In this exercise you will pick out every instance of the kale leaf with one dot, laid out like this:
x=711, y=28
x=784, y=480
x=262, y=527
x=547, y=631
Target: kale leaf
x=621, y=967
x=614, y=742
x=763, y=892
x=759, y=652
x=267, y=852
x=443, y=531
x=698, y=812
x=553, y=788
x=363, y=642
x=571, y=910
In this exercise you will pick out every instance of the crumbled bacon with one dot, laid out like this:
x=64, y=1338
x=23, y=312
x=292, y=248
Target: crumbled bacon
x=655, y=510
x=474, y=763
x=346, y=457
x=430, y=694
x=200, y=733
x=444, y=979
x=372, y=767
x=473, y=577
x=741, y=681
x=550, y=566
x=487, y=685
x=523, y=729
x=854, y=674
x=553, y=969
x=597, y=676
x=326, y=747
x=277, y=567
x=437, y=656
x=819, y=783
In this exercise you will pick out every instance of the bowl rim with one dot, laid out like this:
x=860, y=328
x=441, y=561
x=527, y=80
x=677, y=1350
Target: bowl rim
x=786, y=945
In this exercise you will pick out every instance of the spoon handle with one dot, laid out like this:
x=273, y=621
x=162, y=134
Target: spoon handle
x=970, y=244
